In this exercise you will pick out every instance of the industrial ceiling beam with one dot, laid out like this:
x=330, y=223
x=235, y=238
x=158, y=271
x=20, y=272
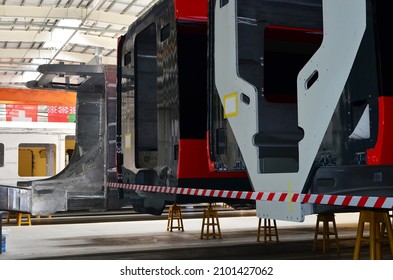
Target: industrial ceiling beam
x=45, y=36
x=29, y=35
x=22, y=24
x=46, y=12
x=48, y=54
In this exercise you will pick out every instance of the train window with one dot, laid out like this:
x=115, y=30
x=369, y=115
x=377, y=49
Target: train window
x=127, y=59
x=312, y=79
x=165, y=32
x=69, y=147
x=1, y=154
x=36, y=160
x=146, y=109
x=223, y=3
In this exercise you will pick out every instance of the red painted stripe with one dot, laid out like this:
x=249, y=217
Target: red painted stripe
x=332, y=199
x=319, y=199
x=380, y=201
x=259, y=196
x=306, y=198
x=191, y=10
x=194, y=162
x=295, y=197
x=220, y=193
x=270, y=196
x=249, y=195
x=362, y=201
x=283, y=196
x=347, y=200
x=382, y=153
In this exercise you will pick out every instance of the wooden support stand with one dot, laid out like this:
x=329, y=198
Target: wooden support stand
x=326, y=219
x=211, y=222
x=269, y=230
x=175, y=214
x=379, y=221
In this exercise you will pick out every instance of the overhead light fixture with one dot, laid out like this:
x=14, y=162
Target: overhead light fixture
x=39, y=61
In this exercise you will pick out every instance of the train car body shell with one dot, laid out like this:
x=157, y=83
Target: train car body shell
x=163, y=93
x=332, y=135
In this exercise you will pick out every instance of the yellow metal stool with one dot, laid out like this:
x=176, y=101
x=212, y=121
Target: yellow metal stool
x=326, y=232
x=175, y=214
x=210, y=220
x=269, y=230
x=21, y=218
x=39, y=216
x=9, y=216
x=378, y=221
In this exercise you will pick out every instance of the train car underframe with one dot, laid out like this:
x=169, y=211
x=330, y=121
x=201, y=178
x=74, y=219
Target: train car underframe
x=81, y=185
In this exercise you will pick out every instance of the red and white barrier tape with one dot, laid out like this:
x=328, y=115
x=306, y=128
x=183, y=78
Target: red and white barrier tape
x=326, y=199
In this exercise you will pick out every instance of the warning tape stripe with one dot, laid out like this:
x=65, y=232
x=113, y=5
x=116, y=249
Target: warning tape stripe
x=326, y=199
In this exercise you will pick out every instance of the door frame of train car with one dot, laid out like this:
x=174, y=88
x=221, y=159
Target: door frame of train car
x=128, y=171
x=314, y=109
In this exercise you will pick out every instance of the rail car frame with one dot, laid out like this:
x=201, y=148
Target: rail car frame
x=335, y=138
x=163, y=105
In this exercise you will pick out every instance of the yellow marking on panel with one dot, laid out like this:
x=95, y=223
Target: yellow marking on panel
x=230, y=105
x=290, y=197
x=128, y=141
